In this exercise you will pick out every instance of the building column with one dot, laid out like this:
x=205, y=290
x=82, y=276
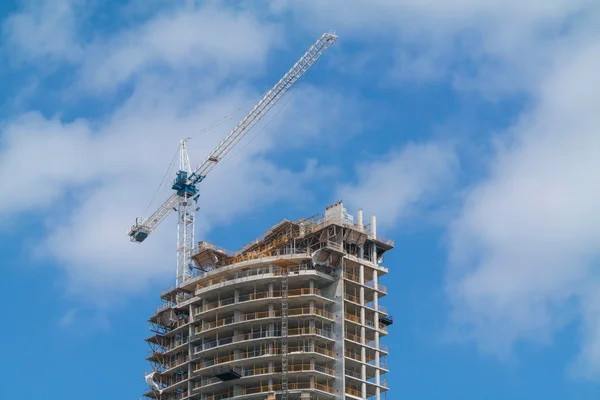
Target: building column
x=190, y=385
x=271, y=366
x=337, y=291
x=363, y=351
x=377, y=352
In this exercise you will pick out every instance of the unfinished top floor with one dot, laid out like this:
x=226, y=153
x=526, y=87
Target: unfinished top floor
x=335, y=230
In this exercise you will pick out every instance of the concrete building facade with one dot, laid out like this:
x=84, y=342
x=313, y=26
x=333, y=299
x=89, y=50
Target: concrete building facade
x=301, y=304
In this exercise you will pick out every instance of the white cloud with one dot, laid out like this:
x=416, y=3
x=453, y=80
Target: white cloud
x=86, y=321
x=525, y=245
x=97, y=181
x=402, y=182
x=68, y=318
x=493, y=46
x=93, y=176
x=218, y=40
x=43, y=29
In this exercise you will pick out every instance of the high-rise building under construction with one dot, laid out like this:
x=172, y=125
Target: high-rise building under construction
x=295, y=314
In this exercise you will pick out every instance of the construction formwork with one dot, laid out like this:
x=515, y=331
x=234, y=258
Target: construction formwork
x=295, y=314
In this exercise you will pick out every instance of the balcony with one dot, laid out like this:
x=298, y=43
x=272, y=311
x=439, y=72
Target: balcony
x=176, y=363
x=376, y=286
x=370, y=359
x=354, y=391
x=352, y=298
x=352, y=317
x=275, y=351
x=294, y=312
x=162, y=345
x=351, y=277
x=175, y=396
x=256, y=296
x=240, y=275
x=379, y=307
x=371, y=284
x=257, y=371
x=357, y=339
x=249, y=390
x=357, y=374
x=262, y=335
x=368, y=322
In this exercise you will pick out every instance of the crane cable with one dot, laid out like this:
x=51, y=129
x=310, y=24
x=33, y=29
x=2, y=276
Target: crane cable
x=160, y=186
x=230, y=117
x=208, y=128
x=305, y=77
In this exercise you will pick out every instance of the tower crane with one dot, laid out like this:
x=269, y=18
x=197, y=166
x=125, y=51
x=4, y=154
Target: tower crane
x=185, y=197
x=185, y=186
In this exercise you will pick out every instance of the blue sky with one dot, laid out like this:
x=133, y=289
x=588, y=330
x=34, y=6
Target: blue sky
x=470, y=128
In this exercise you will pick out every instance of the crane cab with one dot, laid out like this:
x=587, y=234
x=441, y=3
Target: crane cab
x=182, y=186
x=180, y=180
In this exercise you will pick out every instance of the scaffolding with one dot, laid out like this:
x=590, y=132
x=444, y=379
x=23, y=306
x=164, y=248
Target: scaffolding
x=303, y=236
x=283, y=264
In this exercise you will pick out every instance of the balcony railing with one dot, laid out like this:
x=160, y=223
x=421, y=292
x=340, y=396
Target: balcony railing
x=371, y=344
x=170, y=380
x=352, y=298
x=262, y=335
x=369, y=358
x=267, y=371
x=271, y=270
x=383, y=328
x=376, y=286
x=168, y=346
x=352, y=317
x=263, y=315
x=175, y=396
x=353, y=337
x=353, y=355
x=355, y=278
x=247, y=390
x=379, y=307
x=354, y=374
x=368, y=322
x=351, y=277
x=266, y=351
x=175, y=363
